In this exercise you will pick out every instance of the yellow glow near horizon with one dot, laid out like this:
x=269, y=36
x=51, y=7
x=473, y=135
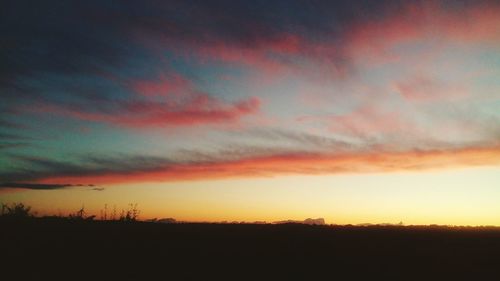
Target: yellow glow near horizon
x=455, y=197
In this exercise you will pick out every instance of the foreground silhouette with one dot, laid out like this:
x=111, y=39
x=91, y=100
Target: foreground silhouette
x=59, y=248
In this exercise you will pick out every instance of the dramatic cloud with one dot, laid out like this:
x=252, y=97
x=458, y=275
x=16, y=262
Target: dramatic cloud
x=311, y=87
x=55, y=174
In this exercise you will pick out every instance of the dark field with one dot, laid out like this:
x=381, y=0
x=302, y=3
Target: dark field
x=46, y=249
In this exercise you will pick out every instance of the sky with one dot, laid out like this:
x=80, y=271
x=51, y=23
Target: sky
x=354, y=111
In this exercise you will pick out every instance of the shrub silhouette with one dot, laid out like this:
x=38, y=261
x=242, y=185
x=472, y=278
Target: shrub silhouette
x=20, y=211
x=17, y=210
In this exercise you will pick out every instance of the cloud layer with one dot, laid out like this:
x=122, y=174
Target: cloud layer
x=89, y=171
x=244, y=89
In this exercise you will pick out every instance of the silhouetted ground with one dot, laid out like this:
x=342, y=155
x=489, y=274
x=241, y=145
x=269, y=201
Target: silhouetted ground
x=48, y=249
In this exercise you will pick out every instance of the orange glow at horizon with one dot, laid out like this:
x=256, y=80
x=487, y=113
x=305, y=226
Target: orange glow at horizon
x=454, y=197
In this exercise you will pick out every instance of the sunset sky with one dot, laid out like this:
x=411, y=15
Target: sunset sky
x=354, y=111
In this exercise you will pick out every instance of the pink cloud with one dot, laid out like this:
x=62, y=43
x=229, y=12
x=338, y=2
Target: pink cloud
x=169, y=101
x=422, y=88
x=198, y=111
x=262, y=55
x=366, y=121
x=333, y=53
x=164, y=85
x=298, y=163
x=373, y=41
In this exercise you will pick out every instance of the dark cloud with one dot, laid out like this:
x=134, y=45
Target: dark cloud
x=75, y=55
x=34, y=186
x=14, y=137
x=95, y=38
x=11, y=125
x=55, y=37
x=40, y=168
x=13, y=145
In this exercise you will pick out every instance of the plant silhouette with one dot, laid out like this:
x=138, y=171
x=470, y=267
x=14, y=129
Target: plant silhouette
x=17, y=210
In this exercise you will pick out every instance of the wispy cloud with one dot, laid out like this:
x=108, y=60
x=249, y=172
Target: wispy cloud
x=426, y=89
x=137, y=169
x=196, y=109
x=167, y=101
x=389, y=86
